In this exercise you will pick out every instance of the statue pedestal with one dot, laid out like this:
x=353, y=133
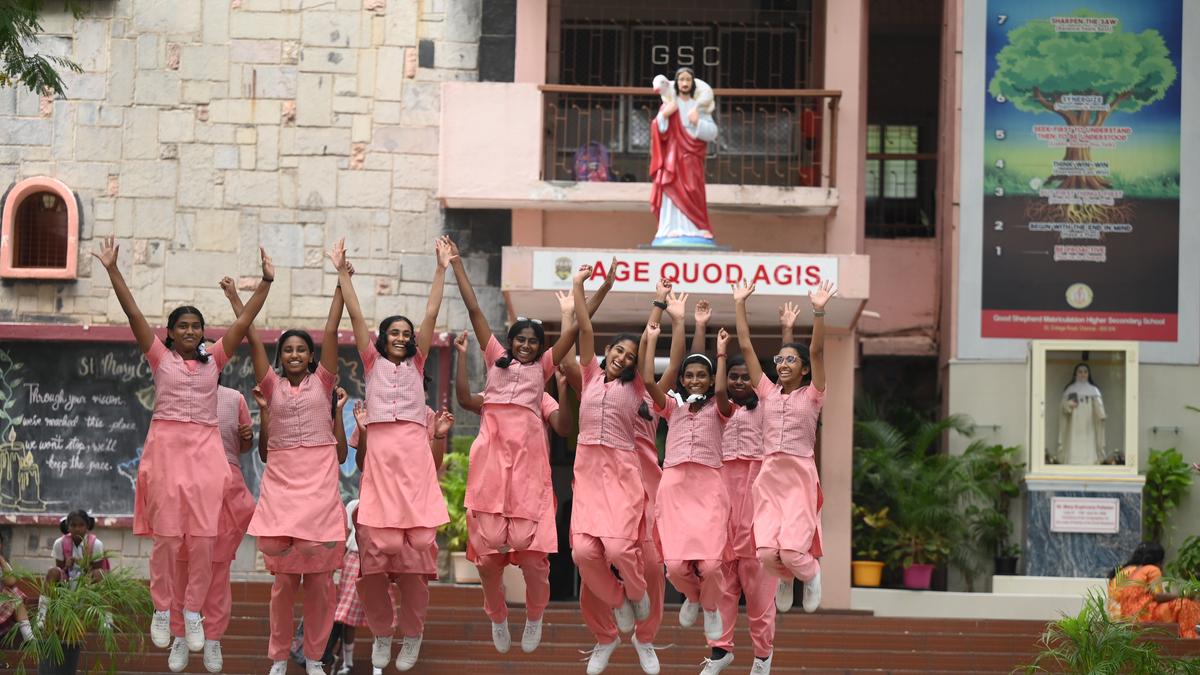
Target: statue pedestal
x=1057, y=509
x=684, y=244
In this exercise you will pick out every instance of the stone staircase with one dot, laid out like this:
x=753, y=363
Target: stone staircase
x=458, y=640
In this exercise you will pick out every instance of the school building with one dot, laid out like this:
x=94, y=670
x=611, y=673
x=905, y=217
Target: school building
x=852, y=142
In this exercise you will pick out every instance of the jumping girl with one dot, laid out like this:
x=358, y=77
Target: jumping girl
x=400, y=501
x=596, y=613
x=787, y=493
x=508, y=483
x=237, y=436
x=182, y=474
x=298, y=520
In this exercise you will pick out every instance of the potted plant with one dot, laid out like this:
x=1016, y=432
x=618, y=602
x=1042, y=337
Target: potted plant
x=870, y=541
x=110, y=613
x=454, y=487
x=995, y=475
x=1168, y=481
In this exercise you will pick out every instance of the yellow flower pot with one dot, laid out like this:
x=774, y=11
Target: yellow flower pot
x=867, y=572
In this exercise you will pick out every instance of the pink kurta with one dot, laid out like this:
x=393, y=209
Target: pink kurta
x=741, y=448
x=238, y=506
x=645, y=438
x=609, y=494
x=400, y=488
x=509, y=472
x=182, y=473
x=299, y=496
x=693, y=505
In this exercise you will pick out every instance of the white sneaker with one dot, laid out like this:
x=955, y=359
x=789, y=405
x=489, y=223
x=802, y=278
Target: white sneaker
x=624, y=616
x=312, y=667
x=501, y=637
x=177, y=660
x=598, y=661
x=377, y=671
x=532, y=637
x=762, y=667
x=783, y=595
x=641, y=608
x=410, y=649
x=714, y=627
x=278, y=668
x=647, y=657
x=688, y=612
x=193, y=632
x=213, y=660
x=381, y=652
x=712, y=667
x=43, y=605
x=812, y=594
x=160, y=628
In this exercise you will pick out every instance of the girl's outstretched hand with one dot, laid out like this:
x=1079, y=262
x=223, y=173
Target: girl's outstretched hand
x=259, y=397
x=822, y=294
x=342, y=397
x=583, y=274
x=360, y=413
x=109, y=248
x=566, y=302
x=663, y=289
x=703, y=312
x=460, y=343
x=742, y=290
x=443, y=422
x=676, y=306
x=722, y=340
x=338, y=254
x=445, y=256
x=653, y=330
x=268, y=268
x=788, y=313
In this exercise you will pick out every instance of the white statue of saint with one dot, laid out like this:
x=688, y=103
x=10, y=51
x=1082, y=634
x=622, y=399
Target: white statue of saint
x=682, y=130
x=1081, y=421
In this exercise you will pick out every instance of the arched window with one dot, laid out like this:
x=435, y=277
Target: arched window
x=40, y=237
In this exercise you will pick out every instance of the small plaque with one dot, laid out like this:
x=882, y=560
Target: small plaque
x=1091, y=515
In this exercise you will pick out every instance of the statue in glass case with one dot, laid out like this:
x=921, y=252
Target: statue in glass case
x=1081, y=421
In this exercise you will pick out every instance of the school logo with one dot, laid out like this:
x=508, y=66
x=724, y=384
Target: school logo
x=563, y=267
x=1079, y=296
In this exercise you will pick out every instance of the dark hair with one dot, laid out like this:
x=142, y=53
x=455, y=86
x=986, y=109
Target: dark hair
x=303, y=335
x=630, y=371
x=703, y=360
x=644, y=412
x=89, y=521
x=514, y=330
x=805, y=360
x=1074, y=370
x=174, y=318
x=680, y=71
x=385, y=326
x=1146, y=553
x=751, y=401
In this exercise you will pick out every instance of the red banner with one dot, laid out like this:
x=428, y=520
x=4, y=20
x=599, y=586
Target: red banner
x=1080, y=325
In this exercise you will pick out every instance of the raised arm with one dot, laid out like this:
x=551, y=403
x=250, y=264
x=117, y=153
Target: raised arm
x=722, y=385
x=699, y=337
x=329, y=341
x=442, y=423
x=264, y=422
x=237, y=331
x=360, y=421
x=436, y=290
x=661, y=293
x=142, y=332
x=483, y=332
x=816, y=348
x=561, y=420
x=339, y=429
x=741, y=292
x=788, y=313
x=362, y=333
x=597, y=298
x=462, y=388
x=258, y=352
x=587, y=340
x=646, y=360
x=676, y=309
x=569, y=368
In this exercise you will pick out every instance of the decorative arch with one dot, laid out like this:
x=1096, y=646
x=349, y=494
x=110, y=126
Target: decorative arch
x=40, y=235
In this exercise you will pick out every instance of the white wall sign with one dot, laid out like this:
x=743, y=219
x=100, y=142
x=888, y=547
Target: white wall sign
x=1092, y=515
x=693, y=272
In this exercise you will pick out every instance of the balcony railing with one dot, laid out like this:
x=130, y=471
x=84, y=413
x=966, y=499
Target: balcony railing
x=775, y=137
x=900, y=192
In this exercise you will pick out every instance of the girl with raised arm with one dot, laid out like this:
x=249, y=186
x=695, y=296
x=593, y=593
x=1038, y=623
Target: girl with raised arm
x=400, y=502
x=508, y=484
x=298, y=520
x=787, y=493
x=182, y=473
x=692, y=506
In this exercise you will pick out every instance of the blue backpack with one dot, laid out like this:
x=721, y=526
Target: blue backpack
x=592, y=162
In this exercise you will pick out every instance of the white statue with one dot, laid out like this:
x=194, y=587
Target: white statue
x=1081, y=421
x=680, y=134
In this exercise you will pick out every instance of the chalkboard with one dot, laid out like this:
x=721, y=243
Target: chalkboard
x=74, y=416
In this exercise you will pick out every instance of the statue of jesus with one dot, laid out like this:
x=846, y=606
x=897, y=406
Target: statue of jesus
x=680, y=136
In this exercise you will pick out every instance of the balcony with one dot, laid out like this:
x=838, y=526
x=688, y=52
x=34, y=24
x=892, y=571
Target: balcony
x=775, y=153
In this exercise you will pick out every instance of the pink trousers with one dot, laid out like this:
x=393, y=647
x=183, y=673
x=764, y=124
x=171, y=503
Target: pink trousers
x=378, y=545
x=498, y=533
x=786, y=564
x=535, y=567
x=747, y=576
x=319, y=602
x=596, y=556
x=218, y=604
x=699, y=580
x=598, y=615
x=382, y=617
x=165, y=575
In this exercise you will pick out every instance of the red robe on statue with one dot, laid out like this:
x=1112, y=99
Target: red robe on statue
x=677, y=169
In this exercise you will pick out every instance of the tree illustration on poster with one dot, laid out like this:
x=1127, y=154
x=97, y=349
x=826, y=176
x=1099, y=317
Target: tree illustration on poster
x=1081, y=174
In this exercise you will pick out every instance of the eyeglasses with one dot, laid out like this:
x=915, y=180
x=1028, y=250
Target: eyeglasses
x=789, y=359
x=525, y=318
